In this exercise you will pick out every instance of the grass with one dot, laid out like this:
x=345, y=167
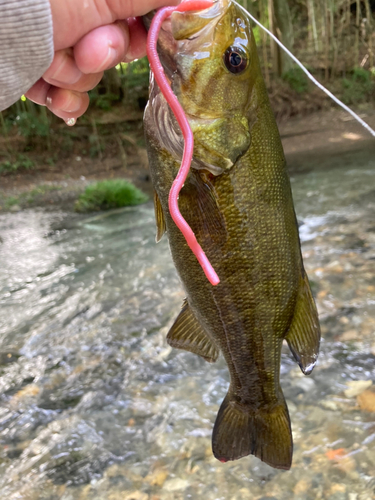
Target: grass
x=297, y=80
x=358, y=87
x=9, y=202
x=38, y=193
x=28, y=198
x=22, y=162
x=112, y=193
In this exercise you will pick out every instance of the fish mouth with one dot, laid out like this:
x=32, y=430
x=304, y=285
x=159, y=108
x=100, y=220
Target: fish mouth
x=167, y=45
x=182, y=32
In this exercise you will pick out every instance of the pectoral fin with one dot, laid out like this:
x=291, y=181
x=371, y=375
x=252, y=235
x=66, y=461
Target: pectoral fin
x=198, y=204
x=159, y=216
x=186, y=333
x=304, y=333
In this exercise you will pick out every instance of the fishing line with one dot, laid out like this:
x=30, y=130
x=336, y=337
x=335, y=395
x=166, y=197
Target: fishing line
x=314, y=80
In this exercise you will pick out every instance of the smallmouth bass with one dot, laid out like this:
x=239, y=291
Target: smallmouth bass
x=237, y=199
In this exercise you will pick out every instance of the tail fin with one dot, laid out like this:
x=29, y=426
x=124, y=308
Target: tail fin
x=264, y=433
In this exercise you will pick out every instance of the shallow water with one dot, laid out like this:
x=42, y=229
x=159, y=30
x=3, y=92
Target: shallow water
x=95, y=405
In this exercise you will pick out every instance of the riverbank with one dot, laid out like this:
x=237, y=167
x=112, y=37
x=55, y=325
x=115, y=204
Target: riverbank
x=58, y=180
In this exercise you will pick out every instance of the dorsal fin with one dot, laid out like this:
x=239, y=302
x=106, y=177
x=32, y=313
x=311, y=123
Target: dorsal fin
x=187, y=333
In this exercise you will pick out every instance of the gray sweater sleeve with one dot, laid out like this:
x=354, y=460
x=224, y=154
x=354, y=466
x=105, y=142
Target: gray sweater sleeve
x=26, y=46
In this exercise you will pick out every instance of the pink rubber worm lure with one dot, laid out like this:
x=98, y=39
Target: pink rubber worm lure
x=187, y=133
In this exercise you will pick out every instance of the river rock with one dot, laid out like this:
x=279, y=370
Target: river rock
x=301, y=487
x=305, y=384
x=348, y=335
x=157, y=477
x=366, y=401
x=175, y=484
x=135, y=495
x=356, y=387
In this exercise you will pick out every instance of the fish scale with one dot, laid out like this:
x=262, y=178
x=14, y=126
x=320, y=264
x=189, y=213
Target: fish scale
x=239, y=205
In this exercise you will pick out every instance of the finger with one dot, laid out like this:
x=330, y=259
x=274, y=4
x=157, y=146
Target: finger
x=63, y=69
x=138, y=40
x=67, y=104
x=135, y=8
x=38, y=92
x=72, y=20
x=102, y=48
x=84, y=84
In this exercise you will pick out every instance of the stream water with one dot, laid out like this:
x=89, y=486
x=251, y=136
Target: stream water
x=95, y=405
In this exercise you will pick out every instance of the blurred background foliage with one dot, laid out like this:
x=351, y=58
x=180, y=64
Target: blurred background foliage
x=335, y=39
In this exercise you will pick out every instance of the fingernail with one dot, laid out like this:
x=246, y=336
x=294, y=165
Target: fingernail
x=73, y=104
x=110, y=60
x=128, y=57
x=67, y=72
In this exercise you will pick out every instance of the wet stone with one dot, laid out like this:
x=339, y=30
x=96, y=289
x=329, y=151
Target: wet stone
x=8, y=356
x=356, y=387
x=157, y=477
x=301, y=487
x=338, y=496
x=366, y=401
x=305, y=384
x=243, y=494
x=135, y=495
x=175, y=484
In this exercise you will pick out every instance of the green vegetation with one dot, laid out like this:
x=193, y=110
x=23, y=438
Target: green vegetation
x=135, y=74
x=359, y=86
x=128, y=81
x=30, y=119
x=21, y=162
x=28, y=198
x=32, y=197
x=296, y=79
x=32, y=124
x=9, y=202
x=112, y=193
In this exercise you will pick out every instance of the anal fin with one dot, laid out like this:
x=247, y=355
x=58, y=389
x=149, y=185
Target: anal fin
x=159, y=216
x=187, y=333
x=303, y=336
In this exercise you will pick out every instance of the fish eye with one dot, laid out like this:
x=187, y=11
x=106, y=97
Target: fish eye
x=235, y=60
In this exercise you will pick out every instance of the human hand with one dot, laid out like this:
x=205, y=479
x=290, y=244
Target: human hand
x=90, y=36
